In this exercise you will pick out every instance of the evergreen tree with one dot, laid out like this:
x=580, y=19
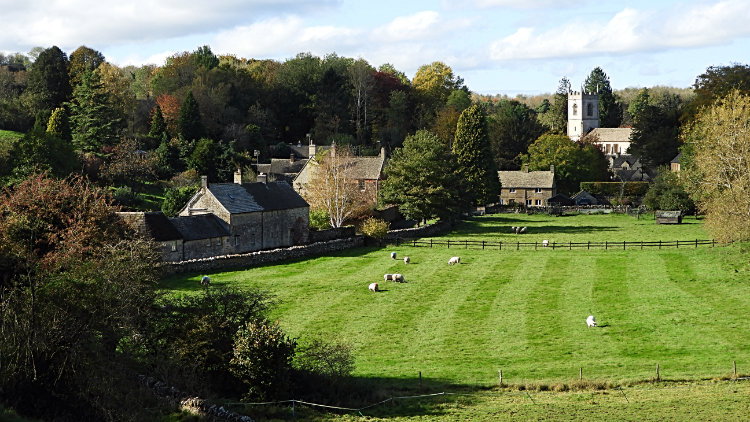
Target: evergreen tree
x=40, y=151
x=92, y=116
x=475, y=164
x=48, y=83
x=158, y=125
x=203, y=158
x=203, y=56
x=189, y=124
x=655, y=137
x=610, y=111
x=59, y=125
x=82, y=60
x=421, y=179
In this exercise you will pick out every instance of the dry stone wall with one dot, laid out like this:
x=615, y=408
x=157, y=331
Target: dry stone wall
x=252, y=259
x=332, y=234
x=423, y=231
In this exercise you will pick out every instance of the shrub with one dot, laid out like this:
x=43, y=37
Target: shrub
x=333, y=360
x=614, y=188
x=126, y=197
x=319, y=219
x=263, y=359
x=375, y=228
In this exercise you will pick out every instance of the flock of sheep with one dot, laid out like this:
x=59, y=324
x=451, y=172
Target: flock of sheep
x=399, y=278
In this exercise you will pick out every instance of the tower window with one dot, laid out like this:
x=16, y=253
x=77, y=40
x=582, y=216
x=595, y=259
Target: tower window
x=590, y=109
x=575, y=109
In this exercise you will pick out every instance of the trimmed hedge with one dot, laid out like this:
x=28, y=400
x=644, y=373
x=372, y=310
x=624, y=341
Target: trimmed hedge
x=613, y=188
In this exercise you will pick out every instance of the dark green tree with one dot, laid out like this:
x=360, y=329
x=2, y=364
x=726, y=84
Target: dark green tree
x=667, y=194
x=332, y=105
x=175, y=199
x=169, y=160
x=158, y=125
x=203, y=158
x=421, y=178
x=94, y=124
x=205, y=57
x=83, y=60
x=717, y=82
x=639, y=104
x=512, y=128
x=610, y=110
x=459, y=99
x=190, y=124
x=655, y=137
x=41, y=151
x=48, y=83
x=556, y=118
x=475, y=164
x=574, y=162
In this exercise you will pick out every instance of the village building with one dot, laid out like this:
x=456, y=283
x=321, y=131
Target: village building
x=674, y=165
x=256, y=215
x=628, y=168
x=366, y=172
x=583, y=119
x=612, y=141
x=530, y=188
x=156, y=226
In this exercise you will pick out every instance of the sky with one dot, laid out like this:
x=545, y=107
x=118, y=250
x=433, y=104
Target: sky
x=497, y=46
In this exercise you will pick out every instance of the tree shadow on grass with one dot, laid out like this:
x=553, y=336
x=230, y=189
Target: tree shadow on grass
x=476, y=230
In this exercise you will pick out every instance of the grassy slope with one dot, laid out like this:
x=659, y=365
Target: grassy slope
x=522, y=312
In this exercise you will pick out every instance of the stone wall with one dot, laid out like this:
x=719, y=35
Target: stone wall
x=252, y=259
x=423, y=231
x=331, y=234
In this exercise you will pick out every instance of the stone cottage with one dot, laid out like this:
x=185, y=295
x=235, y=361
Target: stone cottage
x=255, y=215
x=530, y=188
x=157, y=226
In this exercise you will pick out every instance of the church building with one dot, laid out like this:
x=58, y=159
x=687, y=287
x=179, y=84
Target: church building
x=583, y=119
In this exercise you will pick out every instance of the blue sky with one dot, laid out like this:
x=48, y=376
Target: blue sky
x=497, y=46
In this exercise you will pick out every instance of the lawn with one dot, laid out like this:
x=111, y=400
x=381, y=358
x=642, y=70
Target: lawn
x=522, y=312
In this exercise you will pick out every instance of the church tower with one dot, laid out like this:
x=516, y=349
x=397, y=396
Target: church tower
x=583, y=114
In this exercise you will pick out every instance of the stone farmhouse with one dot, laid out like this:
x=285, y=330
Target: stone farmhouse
x=367, y=172
x=530, y=188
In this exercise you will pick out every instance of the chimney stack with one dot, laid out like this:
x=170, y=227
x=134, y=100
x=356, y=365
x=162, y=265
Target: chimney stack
x=204, y=182
x=291, y=158
x=525, y=168
x=382, y=152
x=552, y=168
x=262, y=178
x=238, y=177
x=311, y=150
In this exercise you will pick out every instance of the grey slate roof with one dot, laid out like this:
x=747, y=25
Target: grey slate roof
x=630, y=160
x=254, y=197
x=197, y=227
x=152, y=224
x=618, y=134
x=283, y=166
x=676, y=160
x=532, y=179
x=368, y=168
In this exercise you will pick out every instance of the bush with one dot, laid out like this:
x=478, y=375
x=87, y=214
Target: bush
x=319, y=220
x=614, y=188
x=333, y=360
x=375, y=228
x=263, y=359
x=126, y=197
x=175, y=199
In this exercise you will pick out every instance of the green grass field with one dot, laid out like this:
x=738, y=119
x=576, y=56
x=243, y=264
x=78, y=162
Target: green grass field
x=522, y=312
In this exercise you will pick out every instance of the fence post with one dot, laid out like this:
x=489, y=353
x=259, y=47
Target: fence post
x=606, y=245
x=501, y=245
x=430, y=243
x=570, y=245
x=501, y=378
x=735, y=368
x=580, y=374
x=588, y=245
x=483, y=245
x=449, y=243
x=518, y=246
x=415, y=243
x=553, y=245
x=420, y=380
x=658, y=377
x=535, y=244
x=623, y=245
x=660, y=244
x=466, y=244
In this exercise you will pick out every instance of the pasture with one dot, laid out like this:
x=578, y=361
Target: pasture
x=522, y=312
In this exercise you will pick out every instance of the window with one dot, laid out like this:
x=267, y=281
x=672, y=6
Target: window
x=218, y=241
x=528, y=202
x=512, y=190
x=537, y=202
x=502, y=201
x=236, y=241
x=361, y=185
x=538, y=190
x=590, y=109
x=208, y=242
x=575, y=109
x=173, y=245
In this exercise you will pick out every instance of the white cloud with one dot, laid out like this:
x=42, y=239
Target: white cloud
x=631, y=31
x=514, y=4
x=70, y=23
x=426, y=25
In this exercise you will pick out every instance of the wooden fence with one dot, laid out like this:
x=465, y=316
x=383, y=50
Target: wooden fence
x=499, y=245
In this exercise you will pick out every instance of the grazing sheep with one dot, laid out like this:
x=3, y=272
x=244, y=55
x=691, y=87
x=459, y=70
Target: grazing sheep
x=454, y=260
x=545, y=243
x=513, y=229
x=523, y=230
x=393, y=255
x=205, y=281
x=398, y=278
x=388, y=277
x=374, y=287
x=590, y=321
x=406, y=260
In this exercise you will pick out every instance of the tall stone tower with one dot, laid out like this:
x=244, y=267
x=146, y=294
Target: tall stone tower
x=583, y=113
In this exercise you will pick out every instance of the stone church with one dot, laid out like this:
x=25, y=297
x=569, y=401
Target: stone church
x=583, y=119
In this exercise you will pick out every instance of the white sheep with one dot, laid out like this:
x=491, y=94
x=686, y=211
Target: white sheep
x=388, y=277
x=545, y=243
x=406, y=260
x=393, y=255
x=374, y=287
x=205, y=281
x=590, y=321
x=522, y=231
x=398, y=278
x=454, y=260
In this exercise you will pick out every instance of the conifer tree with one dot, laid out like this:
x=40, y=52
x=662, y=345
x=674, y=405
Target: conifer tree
x=190, y=125
x=93, y=118
x=475, y=164
x=59, y=125
x=158, y=125
x=48, y=84
x=610, y=111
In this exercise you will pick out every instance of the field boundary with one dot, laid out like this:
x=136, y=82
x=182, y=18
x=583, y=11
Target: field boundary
x=500, y=245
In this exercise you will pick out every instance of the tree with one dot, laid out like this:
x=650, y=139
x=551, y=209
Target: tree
x=512, y=128
x=129, y=166
x=205, y=57
x=48, y=85
x=574, y=162
x=203, y=158
x=117, y=86
x=667, y=194
x=655, y=137
x=93, y=119
x=333, y=186
x=422, y=179
x=434, y=83
x=639, y=104
x=175, y=199
x=610, y=111
x=717, y=167
x=556, y=118
x=263, y=359
x=59, y=125
x=41, y=151
x=361, y=77
x=170, y=108
x=158, y=125
x=76, y=289
x=331, y=105
x=190, y=124
x=716, y=83
x=472, y=150
x=83, y=60
x=459, y=99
